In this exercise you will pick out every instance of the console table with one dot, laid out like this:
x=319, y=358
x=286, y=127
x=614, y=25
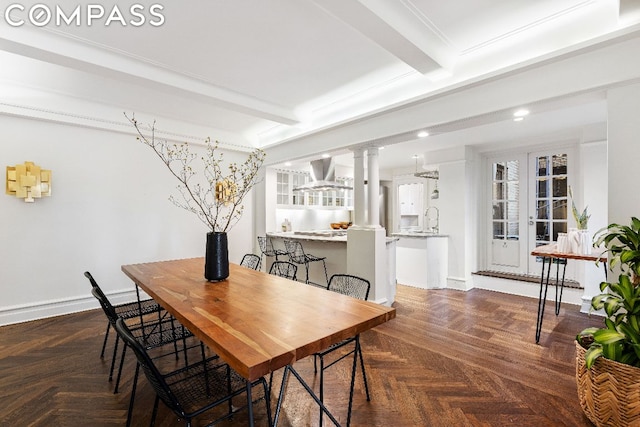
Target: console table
x=550, y=254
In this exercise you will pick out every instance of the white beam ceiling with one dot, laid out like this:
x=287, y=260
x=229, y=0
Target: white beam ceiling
x=270, y=72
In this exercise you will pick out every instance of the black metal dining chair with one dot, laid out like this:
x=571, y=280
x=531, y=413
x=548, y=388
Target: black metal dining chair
x=355, y=287
x=194, y=389
x=284, y=269
x=130, y=310
x=297, y=255
x=251, y=261
x=152, y=334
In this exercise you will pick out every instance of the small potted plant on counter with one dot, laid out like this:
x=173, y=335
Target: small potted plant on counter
x=608, y=358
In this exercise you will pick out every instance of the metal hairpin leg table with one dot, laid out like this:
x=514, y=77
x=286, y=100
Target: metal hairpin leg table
x=550, y=255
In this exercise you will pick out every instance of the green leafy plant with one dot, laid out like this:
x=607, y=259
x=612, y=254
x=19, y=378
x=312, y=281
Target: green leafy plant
x=582, y=219
x=619, y=340
x=622, y=243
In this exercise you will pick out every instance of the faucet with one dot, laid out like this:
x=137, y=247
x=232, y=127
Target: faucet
x=436, y=228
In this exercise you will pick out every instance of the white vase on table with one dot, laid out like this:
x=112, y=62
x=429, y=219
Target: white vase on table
x=573, y=236
x=585, y=242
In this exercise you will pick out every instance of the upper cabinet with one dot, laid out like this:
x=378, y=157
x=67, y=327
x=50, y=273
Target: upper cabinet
x=410, y=207
x=410, y=198
x=286, y=197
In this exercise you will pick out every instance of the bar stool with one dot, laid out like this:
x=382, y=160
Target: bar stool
x=298, y=256
x=267, y=249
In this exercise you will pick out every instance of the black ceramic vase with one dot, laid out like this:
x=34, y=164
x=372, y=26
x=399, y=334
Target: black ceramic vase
x=216, y=265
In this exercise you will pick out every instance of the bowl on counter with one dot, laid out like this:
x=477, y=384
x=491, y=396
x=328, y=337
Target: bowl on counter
x=336, y=225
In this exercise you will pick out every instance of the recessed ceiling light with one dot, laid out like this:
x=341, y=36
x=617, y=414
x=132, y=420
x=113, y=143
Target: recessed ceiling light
x=423, y=134
x=518, y=119
x=521, y=113
x=326, y=155
x=380, y=148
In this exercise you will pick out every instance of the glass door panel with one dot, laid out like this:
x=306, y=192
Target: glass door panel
x=505, y=219
x=548, y=215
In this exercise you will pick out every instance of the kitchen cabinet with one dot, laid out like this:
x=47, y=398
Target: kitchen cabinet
x=286, y=197
x=410, y=197
x=422, y=260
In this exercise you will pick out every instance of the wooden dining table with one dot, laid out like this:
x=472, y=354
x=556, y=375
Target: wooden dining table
x=256, y=322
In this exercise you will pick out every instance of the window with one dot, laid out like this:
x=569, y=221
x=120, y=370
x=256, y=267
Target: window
x=506, y=200
x=551, y=197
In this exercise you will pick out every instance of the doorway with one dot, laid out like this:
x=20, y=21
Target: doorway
x=528, y=206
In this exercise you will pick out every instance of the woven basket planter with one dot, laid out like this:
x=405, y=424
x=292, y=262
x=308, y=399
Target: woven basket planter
x=609, y=392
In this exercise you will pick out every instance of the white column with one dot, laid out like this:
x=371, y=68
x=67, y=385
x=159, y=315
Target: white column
x=373, y=184
x=358, y=188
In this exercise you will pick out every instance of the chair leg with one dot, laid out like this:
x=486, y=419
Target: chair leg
x=353, y=382
x=104, y=343
x=326, y=276
x=306, y=266
x=155, y=411
x=133, y=395
x=113, y=358
x=124, y=351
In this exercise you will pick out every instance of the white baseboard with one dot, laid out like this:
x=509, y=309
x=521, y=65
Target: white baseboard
x=459, y=283
x=526, y=289
x=52, y=308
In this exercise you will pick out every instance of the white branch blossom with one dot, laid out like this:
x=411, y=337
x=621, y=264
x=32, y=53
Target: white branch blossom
x=218, y=211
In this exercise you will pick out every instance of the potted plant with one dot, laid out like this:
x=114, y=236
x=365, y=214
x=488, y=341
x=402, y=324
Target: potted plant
x=608, y=358
x=622, y=243
x=216, y=200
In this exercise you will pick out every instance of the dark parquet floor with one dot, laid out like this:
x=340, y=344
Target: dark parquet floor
x=450, y=358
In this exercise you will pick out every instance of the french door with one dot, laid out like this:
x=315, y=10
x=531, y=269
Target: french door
x=528, y=207
x=549, y=181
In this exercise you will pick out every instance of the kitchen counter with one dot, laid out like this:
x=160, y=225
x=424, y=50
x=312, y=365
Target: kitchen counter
x=422, y=259
x=315, y=235
x=420, y=234
x=319, y=235
x=332, y=245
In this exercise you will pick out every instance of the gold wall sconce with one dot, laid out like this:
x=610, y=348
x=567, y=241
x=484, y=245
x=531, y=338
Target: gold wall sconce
x=28, y=181
x=225, y=192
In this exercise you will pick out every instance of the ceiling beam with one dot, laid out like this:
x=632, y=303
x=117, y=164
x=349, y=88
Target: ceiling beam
x=395, y=28
x=48, y=46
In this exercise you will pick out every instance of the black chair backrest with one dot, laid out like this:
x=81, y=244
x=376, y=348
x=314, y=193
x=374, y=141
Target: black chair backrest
x=91, y=279
x=250, y=261
x=150, y=370
x=108, y=309
x=347, y=284
x=284, y=269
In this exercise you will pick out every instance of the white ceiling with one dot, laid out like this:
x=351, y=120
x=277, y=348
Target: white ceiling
x=260, y=72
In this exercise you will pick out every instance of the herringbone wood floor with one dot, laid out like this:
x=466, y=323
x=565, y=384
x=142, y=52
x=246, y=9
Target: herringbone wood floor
x=450, y=358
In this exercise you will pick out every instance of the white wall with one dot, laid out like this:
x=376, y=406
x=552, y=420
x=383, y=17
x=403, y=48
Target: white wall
x=109, y=206
x=623, y=155
x=593, y=194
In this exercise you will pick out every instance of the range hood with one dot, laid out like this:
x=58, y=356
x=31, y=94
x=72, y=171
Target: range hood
x=323, y=175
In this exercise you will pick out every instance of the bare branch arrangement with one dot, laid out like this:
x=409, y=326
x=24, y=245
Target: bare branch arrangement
x=218, y=204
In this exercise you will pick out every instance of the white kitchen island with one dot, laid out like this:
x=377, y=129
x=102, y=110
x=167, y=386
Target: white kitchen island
x=333, y=246
x=422, y=259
